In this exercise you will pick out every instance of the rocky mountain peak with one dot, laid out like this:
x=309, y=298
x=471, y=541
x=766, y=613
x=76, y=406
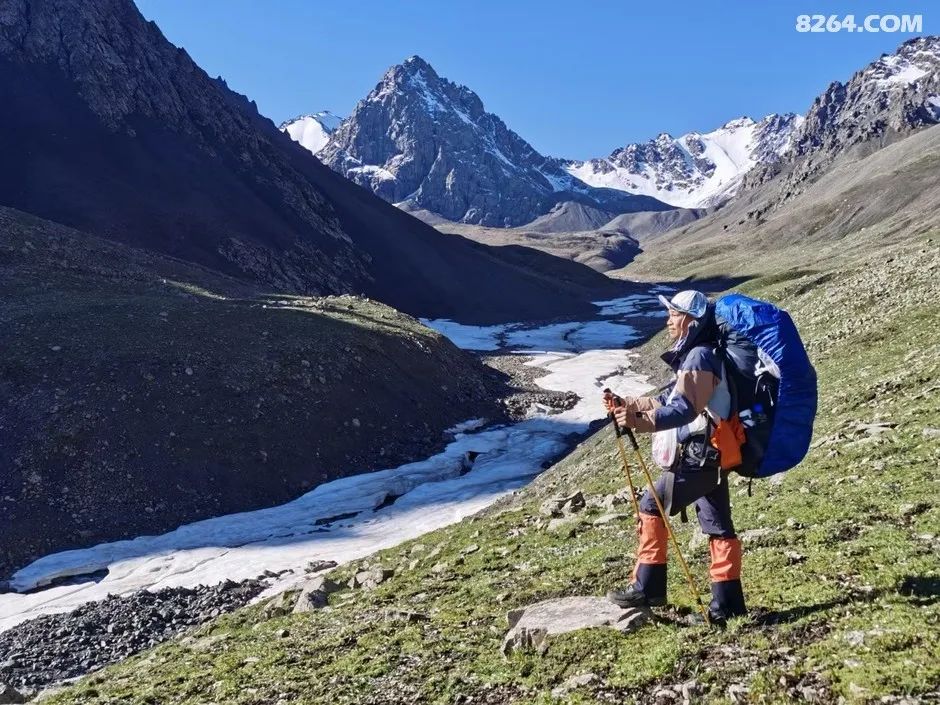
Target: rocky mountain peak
x=109, y=128
x=312, y=131
x=884, y=101
x=695, y=170
x=427, y=143
x=914, y=59
x=742, y=122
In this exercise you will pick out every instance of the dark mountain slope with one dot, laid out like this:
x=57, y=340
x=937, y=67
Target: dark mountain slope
x=109, y=128
x=140, y=392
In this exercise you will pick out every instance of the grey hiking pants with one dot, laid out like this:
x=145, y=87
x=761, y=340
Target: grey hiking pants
x=701, y=486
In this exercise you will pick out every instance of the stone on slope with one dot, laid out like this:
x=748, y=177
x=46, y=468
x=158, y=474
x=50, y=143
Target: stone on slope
x=611, y=518
x=573, y=683
x=530, y=627
x=371, y=578
x=10, y=695
x=318, y=566
x=561, y=505
x=279, y=605
x=315, y=594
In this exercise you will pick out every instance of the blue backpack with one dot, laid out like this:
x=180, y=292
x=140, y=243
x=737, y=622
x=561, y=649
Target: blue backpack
x=773, y=383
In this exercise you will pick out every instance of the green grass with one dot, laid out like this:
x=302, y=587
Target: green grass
x=857, y=618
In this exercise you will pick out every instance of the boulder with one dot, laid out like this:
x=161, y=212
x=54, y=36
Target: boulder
x=279, y=605
x=874, y=429
x=318, y=566
x=371, y=578
x=756, y=536
x=563, y=505
x=10, y=695
x=531, y=627
x=573, y=683
x=566, y=527
x=400, y=615
x=315, y=594
x=618, y=499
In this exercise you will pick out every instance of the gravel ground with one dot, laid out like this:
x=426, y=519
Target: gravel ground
x=522, y=379
x=59, y=647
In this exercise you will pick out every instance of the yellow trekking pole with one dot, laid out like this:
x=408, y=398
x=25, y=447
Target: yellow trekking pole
x=662, y=512
x=636, y=507
x=626, y=466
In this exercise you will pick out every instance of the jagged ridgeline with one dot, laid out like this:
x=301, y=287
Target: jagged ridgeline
x=161, y=247
x=109, y=128
x=427, y=143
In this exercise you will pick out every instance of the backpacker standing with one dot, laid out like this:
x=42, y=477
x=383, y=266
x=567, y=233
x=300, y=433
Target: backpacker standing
x=688, y=412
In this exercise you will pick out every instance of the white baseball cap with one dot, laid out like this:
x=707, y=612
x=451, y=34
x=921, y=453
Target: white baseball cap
x=692, y=302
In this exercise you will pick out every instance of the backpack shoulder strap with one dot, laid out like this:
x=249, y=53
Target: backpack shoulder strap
x=726, y=374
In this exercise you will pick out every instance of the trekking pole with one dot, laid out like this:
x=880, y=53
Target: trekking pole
x=626, y=465
x=662, y=513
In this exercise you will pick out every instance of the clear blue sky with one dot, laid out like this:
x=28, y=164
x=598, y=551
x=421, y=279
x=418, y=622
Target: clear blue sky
x=574, y=79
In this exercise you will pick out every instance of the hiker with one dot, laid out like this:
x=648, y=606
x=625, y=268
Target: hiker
x=694, y=404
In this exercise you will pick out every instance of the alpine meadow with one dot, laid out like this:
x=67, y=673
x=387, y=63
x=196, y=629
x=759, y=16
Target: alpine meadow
x=386, y=405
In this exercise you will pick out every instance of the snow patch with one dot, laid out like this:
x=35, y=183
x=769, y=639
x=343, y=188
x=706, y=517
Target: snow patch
x=375, y=172
x=899, y=71
x=312, y=131
x=933, y=105
x=464, y=426
x=467, y=337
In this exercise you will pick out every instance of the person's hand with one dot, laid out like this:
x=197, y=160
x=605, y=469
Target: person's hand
x=625, y=417
x=611, y=401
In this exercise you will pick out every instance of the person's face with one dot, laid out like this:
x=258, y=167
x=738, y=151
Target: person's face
x=678, y=324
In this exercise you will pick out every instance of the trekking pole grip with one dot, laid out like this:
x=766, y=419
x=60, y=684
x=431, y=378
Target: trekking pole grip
x=610, y=414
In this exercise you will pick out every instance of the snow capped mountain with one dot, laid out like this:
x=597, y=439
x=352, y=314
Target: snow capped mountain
x=695, y=170
x=892, y=96
x=312, y=131
x=885, y=101
x=896, y=93
x=424, y=142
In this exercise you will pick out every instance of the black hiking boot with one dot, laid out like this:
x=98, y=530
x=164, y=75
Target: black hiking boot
x=632, y=596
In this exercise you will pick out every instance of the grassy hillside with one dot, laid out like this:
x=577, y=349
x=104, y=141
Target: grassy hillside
x=841, y=565
x=858, y=206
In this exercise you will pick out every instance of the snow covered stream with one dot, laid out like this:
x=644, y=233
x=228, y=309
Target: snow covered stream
x=352, y=517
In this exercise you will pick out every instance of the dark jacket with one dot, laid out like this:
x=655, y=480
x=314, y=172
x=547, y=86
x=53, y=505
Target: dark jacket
x=698, y=371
